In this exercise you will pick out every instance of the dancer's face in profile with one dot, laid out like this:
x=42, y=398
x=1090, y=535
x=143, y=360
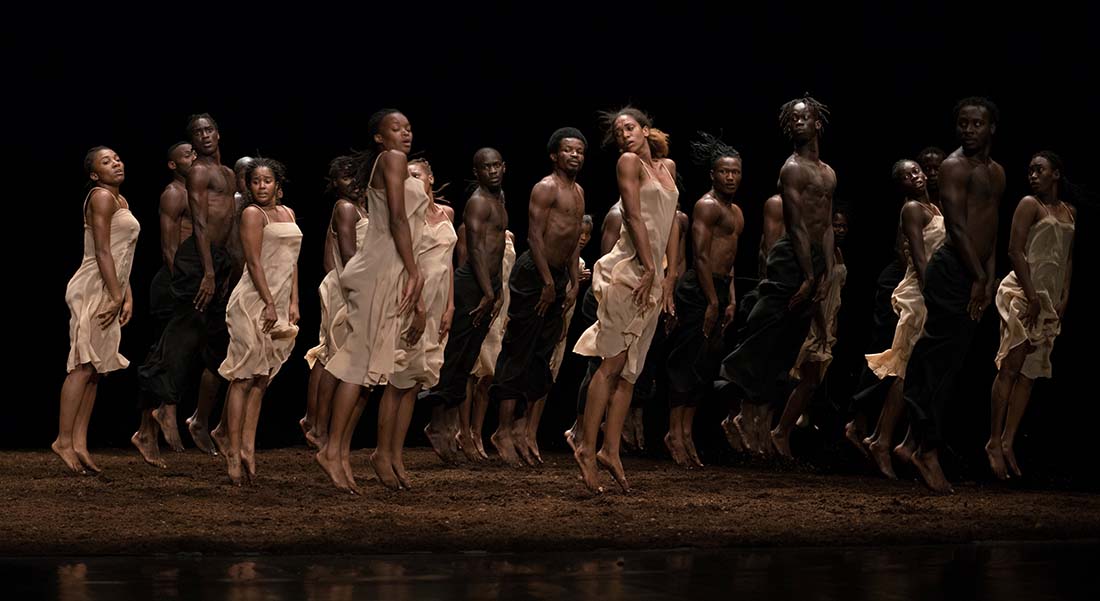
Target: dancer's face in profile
x=395, y=133
x=570, y=155
x=263, y=186
x=726, y=175
x=1041, y=175
x=629, y=135
x=182, y=158
x=840, y=227
x=913, y=180
x=973, y=127
x=107, y=168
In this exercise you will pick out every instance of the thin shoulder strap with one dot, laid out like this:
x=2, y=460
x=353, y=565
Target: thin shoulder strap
x=373, y=168
x=84, y=209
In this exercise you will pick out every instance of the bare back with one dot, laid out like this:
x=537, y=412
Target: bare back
x=175, y=194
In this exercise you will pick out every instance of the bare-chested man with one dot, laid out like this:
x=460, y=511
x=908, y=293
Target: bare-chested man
x=958, y=281
x=543, y=283
x=705, y=298
x=477, y=300
x=196, y=335
x=794, y=282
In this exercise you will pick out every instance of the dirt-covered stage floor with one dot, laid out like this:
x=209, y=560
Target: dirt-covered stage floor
x=190, y=507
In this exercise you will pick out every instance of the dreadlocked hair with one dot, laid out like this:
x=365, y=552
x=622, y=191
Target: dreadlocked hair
x=341, y=166
x=821, y=112
x=708, y=149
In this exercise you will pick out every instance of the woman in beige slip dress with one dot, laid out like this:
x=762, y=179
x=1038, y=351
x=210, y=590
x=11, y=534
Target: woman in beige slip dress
x=471, y=414
x=1031, y=300
x=346, y=232
x=631, y=287
x=382, y=284
x=100, y=303
x=923, y=227
x=262, y=311
x=417, y=365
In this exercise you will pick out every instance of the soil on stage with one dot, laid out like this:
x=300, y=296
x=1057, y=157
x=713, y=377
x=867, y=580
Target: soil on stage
x=190, y=507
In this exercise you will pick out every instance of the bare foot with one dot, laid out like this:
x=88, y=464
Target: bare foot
x=904, y=452
x=306, y=427
x=201, y=436
x=743, y=432
x=68, y=455
x=86, y=460
x=692, y=453
x=221, y=441
x=439, y=444
x=782, y=443
x=615, y=466
x=855, y=436
x=480, y=444
x=571, y=440
x=333, y=470
x=733, y=434
x=996, y=460
x=762, y=425
x=166, y=419
x=1010, y=459
x=587, y=462
x=383, y=468
x=676, y=448
x=349, y=477
x=519, y=438
x=880, y=453
x=928, y=464
x=233, y=466
x=506, y=447
x=149, y=449
x=402, y=476
x=533, y=449
x=469, y=448
x=248, y=461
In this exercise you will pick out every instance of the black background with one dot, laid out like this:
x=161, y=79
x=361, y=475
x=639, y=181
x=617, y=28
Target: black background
x=300, y=87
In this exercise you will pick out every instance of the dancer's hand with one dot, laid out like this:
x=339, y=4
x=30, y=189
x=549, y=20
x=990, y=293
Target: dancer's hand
x=978, y=301
x=641, y=293
x=410, y=296
x=545, y=299
x=668, y=296
x=107, y=311
x=1031, y=313
x=710, y=317
x=584, y=276
x=293, y=314
x=445, y=323
x=804, y=291
x=269, y=317
x=483, y=308
x=731, y=313
x=127, y=311
x=416, y=328
x=570, y=298
x=205, y=293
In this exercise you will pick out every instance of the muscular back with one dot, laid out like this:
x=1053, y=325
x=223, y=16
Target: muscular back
x=211, y=185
